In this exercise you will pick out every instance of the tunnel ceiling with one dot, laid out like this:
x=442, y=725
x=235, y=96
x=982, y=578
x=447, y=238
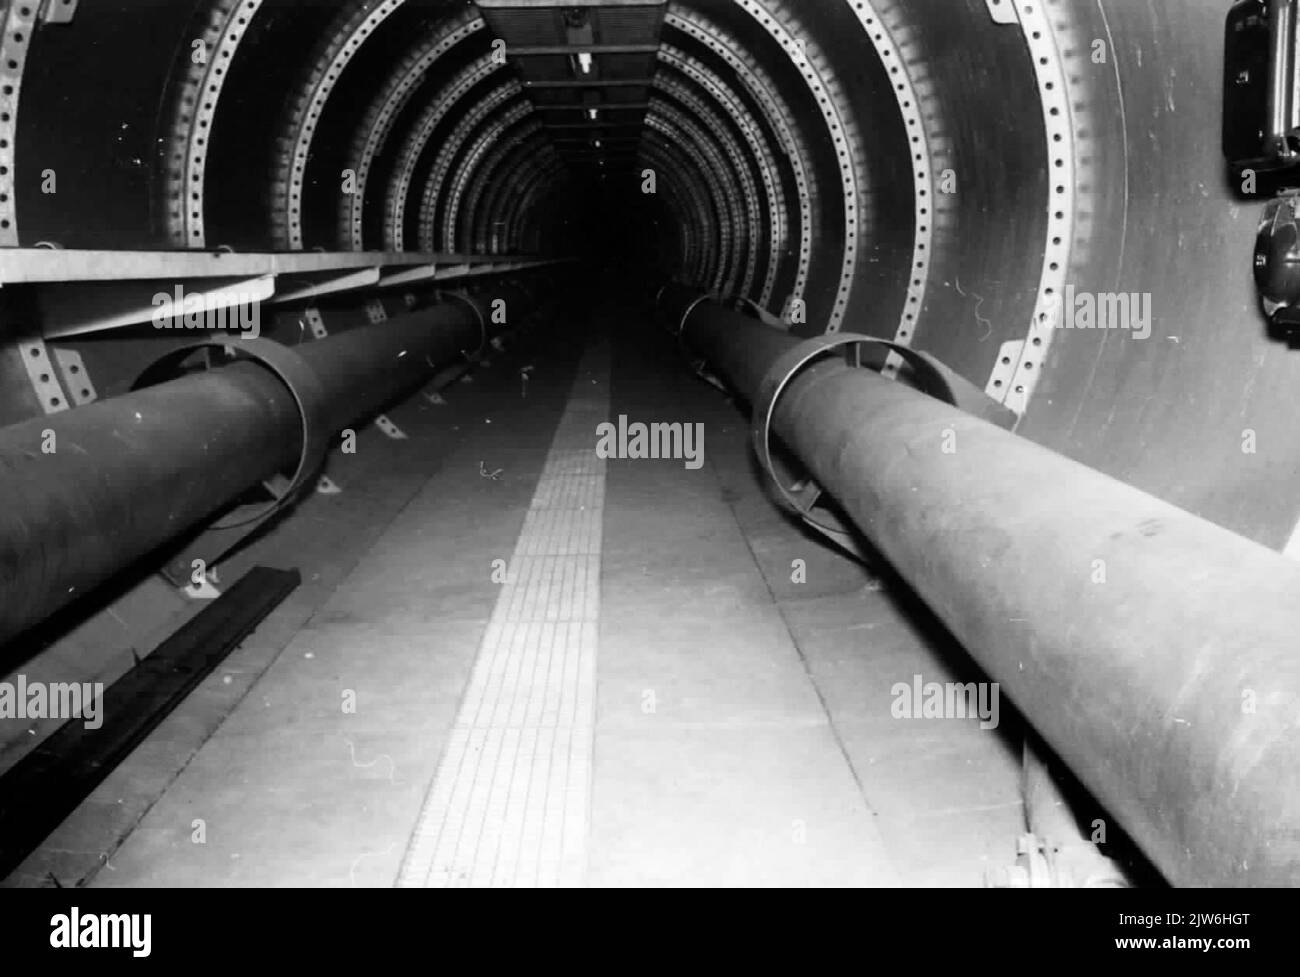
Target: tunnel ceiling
x=587, y=71
x=941, y=173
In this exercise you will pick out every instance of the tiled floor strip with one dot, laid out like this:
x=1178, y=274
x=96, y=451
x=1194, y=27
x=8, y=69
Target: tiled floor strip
x=509, y=803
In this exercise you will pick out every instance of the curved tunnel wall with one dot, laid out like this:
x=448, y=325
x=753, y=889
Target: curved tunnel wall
x=934, y=171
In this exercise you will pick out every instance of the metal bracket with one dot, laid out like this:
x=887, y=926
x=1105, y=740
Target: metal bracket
x=330, y=283
x=698, y=365
x=375, y=311
x=482, y=324
x=58, y=11
x=1005, y=369
x=711, y=379
x=315, y=322
x=446, y=377
x=686, y=314
x=75, y=377
x=200, y=591
x=801, y=496
x=749, y=307
x=1002, y=11
x=389, y=428
x=40, y=370
x=226, y=533
x=307, y=393
x=79, y=312
x=1040, y=866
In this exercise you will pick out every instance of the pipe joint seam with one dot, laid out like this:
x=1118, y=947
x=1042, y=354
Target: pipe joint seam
x=747, y=306
x=800, y=496
x=308, y=395
x=482, y=325
x=681, y=325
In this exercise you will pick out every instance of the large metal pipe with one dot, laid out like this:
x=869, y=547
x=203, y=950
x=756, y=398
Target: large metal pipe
x=1153, y=650
x=90, y=491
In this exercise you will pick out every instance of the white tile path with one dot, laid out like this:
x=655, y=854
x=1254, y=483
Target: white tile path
x=509, y=805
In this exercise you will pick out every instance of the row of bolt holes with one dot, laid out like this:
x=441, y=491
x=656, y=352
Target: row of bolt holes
x=1028, y=365
x=384, y=115
x=46, y=378
x=197, y=177
x=1054, y=111
x=1006, y=361
x=693, y=31
x=8, y=90
x=317, y=102
x=429, y=130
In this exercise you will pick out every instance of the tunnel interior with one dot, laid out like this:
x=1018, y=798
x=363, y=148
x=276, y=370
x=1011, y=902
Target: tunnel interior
x=354, y=288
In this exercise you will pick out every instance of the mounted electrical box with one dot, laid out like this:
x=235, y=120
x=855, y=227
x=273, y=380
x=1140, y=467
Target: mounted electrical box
x=1261, y=104
x=1261, y=140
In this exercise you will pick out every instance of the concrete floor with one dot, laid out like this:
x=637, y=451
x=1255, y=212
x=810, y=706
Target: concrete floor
x=721, y=724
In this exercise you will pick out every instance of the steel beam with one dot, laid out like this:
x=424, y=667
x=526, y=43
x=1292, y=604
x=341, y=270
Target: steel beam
x=602, y=106
x=25, y=266
x=543, y=50
x=592, y=83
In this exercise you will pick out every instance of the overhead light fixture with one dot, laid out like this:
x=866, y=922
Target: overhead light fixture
x=593, y=114
x=585, y=62
x=597, y=144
